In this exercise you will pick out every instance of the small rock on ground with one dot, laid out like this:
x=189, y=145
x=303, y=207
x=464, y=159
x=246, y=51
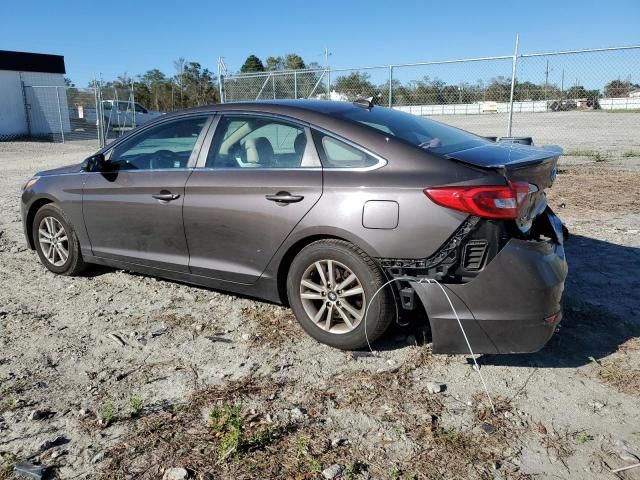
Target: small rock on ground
x=98, y=457
x=39, y=414
x=333, y=471
x=433, y=387
x=175, y=474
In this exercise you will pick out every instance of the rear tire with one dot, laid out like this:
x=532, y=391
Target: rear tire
x=331, y=306
x=56, y=241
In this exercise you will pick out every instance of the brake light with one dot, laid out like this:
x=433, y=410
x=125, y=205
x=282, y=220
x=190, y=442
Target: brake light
x=498, y=202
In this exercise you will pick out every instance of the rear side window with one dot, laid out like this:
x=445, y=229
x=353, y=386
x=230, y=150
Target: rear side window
x=335, y=153
x=430, y=135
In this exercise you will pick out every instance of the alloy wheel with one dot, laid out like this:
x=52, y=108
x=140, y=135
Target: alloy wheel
x=54, y=241
x=332, y=296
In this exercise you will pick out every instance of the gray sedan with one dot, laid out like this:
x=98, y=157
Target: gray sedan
x=345, y=212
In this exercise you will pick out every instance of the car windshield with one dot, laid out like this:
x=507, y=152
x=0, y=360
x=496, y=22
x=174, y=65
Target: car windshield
x=434, y=136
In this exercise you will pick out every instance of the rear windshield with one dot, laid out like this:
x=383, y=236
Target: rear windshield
x=436, y=137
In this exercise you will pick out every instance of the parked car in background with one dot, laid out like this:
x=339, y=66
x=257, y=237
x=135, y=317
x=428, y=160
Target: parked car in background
x=317, y=205
x=121, y=113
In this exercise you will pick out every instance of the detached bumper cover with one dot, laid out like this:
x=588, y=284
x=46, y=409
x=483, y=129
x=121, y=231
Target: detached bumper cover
x=513, y=306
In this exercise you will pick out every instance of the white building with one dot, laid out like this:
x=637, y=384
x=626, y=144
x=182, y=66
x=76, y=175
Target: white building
x=25, y=109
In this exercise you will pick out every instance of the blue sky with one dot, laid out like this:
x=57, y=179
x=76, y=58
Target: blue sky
x=132, y=37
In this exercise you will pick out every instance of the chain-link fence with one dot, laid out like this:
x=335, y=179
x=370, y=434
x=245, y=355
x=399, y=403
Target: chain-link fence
x=95, y=115
x=57, y=113
x=587, y=101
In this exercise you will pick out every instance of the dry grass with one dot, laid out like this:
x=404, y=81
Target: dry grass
x=589, y=188
x=217, y=435
x=631, y=345
x=10, y=392
x=619, y=375
x=242, y=430
x=7, y=461
x=271, y=325
x=557, y=443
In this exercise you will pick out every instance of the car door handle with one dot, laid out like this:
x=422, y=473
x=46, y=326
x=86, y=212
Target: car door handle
x=284, y=197
x=166, y=196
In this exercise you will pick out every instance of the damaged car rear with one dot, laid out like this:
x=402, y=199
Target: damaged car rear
x=345, y=212
x=502, y=267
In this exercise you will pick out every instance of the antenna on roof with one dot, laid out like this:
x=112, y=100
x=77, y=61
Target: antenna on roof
x=367, y=103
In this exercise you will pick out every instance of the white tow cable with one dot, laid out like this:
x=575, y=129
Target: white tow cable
x=476, y=367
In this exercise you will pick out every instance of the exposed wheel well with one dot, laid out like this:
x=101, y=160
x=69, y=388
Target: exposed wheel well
x=37, y=205
x=288, y=257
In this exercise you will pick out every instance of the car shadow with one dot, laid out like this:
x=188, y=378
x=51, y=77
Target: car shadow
x=601, y=307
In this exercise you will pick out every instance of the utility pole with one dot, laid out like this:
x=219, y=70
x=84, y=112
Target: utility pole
x=133, y=104
x=221, y=75
x=546, y=81
x=513, y=85
x=562, y=86
x=326, y=66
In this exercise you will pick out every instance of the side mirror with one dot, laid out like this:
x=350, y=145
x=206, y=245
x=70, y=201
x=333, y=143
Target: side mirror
x=96, y=163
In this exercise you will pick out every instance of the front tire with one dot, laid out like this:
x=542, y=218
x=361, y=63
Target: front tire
x=56, y=241
x=330, y=286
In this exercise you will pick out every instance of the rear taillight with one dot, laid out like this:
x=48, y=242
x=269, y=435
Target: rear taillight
x=500, y=202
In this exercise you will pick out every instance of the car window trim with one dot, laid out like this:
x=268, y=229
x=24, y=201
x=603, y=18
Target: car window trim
x=195, y=151
x=204, y=151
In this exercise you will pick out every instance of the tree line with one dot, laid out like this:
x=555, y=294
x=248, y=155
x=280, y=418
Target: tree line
x=192, y=85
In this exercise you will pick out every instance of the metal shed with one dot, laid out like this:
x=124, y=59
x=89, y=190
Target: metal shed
x=26, y=108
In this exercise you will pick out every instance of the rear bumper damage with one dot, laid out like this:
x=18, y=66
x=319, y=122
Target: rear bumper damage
x=512, y=306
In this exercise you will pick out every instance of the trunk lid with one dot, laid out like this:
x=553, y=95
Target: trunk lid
x=518, y=163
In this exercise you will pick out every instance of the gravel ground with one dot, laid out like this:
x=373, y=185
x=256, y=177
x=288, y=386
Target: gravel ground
x=109, y=374
x=587, y=130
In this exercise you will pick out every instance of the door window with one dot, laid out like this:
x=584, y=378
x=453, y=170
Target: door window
x=259, y=142
x=165, y=146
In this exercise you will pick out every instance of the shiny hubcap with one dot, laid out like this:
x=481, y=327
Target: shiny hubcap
x=332, y=296
x=53, y=241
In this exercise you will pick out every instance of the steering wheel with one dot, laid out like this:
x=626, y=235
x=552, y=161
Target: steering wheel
x=163, y=159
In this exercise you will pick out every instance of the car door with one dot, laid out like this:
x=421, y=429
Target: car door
x=257, y=180
x=133, y=208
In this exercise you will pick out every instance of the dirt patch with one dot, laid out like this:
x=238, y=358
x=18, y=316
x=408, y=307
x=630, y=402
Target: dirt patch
x=235, y=431
x=595, y=189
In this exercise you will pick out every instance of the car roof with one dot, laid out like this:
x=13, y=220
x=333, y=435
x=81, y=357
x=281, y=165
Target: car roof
x=317, y=106
x=322, y=113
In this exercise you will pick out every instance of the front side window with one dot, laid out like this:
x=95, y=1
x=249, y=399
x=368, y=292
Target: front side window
x=245, y=141
x=335, y=153
x=165, y=146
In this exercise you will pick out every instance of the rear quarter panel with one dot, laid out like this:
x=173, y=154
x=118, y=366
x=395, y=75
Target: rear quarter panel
x=421, y=228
